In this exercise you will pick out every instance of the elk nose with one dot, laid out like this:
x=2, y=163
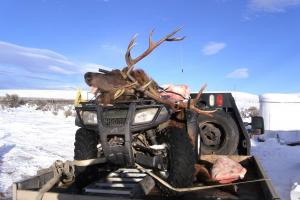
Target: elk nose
x=88, y=78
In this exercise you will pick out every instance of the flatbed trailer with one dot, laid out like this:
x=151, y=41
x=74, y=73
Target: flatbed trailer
x=126, y=184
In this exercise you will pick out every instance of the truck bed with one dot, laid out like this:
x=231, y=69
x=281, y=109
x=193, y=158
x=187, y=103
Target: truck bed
x=262, y=190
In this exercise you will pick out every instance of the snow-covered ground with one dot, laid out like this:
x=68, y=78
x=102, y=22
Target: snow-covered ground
x=32, y=139
x=281, y=162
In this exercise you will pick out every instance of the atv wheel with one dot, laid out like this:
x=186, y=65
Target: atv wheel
x=181, y=160
x=219, y=134
x=85, y=148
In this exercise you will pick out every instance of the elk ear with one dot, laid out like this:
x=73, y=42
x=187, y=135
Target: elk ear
x=88, y=78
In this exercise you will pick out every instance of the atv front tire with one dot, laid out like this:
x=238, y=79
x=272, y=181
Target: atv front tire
x=181, y=158
x=85, y=148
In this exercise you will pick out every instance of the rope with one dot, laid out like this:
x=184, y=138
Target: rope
x=65, y=172
x=58, y=169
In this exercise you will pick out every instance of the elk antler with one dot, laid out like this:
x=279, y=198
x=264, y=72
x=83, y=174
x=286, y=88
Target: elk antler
x=152, y=45
x=179, y=104
x=150, y=93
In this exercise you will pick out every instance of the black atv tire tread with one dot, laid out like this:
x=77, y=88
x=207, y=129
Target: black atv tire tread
x=85, y=148
x=182, y=158
x=182, y=161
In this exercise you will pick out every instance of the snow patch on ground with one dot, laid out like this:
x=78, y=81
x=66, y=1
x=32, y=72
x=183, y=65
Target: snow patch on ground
x=31, y=140
x=281, y=162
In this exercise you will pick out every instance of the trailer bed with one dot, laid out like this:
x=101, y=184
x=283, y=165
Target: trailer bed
x=125, y=184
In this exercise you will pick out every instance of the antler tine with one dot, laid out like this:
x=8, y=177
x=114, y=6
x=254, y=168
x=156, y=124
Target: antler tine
x=152, y=45
x=130, y=46
x=200, y=92
x=169, y=39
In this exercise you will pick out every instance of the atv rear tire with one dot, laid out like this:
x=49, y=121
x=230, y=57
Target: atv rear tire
x=219, y=134
x=85, y=148
x=181, y=158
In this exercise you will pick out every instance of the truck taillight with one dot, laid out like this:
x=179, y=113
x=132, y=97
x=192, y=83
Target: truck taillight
x=211, y=100
x=219, y=100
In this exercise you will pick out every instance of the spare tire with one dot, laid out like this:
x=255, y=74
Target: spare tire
x=219, y=134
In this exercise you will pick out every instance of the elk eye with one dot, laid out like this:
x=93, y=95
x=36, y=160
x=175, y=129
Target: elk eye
x=88, y=78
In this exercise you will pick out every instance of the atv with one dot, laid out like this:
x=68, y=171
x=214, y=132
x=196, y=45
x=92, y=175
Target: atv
x=142, y=131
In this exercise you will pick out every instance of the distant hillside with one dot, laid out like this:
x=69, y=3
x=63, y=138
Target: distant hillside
x=43, y=94
x=243, y=100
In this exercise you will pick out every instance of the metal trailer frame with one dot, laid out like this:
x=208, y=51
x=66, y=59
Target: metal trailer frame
x=263, y=190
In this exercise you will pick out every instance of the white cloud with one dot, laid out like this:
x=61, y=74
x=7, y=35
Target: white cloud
x=272, y=5
x=25, y=67
x=34, y=60
x=240, y=73
x=60, y=70
x=213, y=48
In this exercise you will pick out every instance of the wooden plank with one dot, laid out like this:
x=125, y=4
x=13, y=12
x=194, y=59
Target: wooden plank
x=14, y=191
x=30, y=195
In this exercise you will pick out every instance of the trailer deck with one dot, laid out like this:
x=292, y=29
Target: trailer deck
x=126, y=184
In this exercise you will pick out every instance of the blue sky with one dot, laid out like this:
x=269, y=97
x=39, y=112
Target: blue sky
x=251, y=45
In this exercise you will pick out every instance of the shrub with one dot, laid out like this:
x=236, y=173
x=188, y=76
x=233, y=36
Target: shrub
x=13, y=101
x=68, y=112
x=249, y=112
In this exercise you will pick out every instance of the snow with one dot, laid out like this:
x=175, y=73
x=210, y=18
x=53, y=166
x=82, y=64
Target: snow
x=281, y=163
x=295, y=192
x=32, y=139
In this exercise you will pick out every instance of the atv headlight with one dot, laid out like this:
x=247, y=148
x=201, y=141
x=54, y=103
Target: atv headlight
x=89, y=118
x=144, y=115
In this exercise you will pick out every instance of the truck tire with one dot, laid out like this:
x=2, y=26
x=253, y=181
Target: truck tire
x=219, y=134
x=181, y=158
x=85, y=148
